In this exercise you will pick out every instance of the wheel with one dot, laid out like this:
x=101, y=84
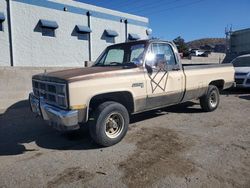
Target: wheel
x=210, y=101
x=109, y=123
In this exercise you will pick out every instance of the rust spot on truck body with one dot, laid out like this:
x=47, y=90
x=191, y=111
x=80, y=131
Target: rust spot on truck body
x=79, y=74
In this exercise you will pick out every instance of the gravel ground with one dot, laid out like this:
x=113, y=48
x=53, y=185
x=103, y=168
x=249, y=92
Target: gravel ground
x=178, y=146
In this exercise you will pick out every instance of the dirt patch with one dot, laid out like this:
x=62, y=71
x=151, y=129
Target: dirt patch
x=70, y=175
x=157, y=155
x=33, y=157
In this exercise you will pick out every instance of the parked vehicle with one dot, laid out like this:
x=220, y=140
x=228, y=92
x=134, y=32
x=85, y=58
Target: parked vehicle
x=196, y=52
x=205, y=53
x=126, y=79
x=242, y=71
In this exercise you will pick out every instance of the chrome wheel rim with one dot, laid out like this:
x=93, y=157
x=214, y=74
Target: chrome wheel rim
x=213, y=99
x=114, y=125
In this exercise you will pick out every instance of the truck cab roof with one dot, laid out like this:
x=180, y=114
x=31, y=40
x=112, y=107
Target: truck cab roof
x=145, y=41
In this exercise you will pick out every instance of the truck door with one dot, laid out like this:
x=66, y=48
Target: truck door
x=164, y=78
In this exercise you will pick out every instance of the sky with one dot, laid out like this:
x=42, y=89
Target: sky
x=190, y=19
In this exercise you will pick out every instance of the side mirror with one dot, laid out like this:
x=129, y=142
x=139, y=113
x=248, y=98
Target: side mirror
x=149, y=69
x=138, y=62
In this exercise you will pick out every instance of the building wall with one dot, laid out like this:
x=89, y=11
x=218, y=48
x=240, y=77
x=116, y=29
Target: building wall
x=67, y=48
x=214, y=58
x=4, y=38
x=240, y=42
x=135, y=29
x=15, y=83
x=33, y=49
x=100, y=41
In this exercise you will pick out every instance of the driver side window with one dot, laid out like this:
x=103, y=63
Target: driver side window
x=160, y=57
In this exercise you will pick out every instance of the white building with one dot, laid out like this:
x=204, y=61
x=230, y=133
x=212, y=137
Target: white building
x=64, y=33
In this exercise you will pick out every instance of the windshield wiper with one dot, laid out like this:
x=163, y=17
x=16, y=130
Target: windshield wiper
x=107, y=65
x=124, y=65
x=114, y=63
x=97, y=65
x=129, y=65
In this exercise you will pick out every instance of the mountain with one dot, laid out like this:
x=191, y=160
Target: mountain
x=212, y=42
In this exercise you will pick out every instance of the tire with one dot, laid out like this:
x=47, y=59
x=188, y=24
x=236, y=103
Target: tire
x=210, y=101
x=109, y=123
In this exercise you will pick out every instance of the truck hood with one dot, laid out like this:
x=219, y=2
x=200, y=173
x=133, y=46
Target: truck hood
x=77, y=74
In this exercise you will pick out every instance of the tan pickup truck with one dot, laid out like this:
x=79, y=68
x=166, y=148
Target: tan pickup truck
x=126, y=79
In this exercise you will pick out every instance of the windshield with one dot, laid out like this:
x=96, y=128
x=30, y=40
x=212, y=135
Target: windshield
x=122, y=55
x=242, y=62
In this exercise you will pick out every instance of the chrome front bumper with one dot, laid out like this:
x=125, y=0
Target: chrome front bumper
x=59, y=119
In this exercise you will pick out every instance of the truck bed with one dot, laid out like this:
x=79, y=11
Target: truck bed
x=199, y=76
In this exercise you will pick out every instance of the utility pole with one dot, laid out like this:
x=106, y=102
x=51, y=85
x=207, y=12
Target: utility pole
x=89, y=35
x=8, y=3
x=228, y=33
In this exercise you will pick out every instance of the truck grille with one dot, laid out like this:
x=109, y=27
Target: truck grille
x=239, y=81
x=53, y=93
x=248, y=81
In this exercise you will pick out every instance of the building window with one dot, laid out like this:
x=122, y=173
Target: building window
x=83, y=29
x=1, y=26
x=132, y=36
x=109, y=35
x=2, y=19
x=81, y=32
x=47, y=27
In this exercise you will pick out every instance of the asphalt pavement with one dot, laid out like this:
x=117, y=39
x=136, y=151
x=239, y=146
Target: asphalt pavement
x=178, y=146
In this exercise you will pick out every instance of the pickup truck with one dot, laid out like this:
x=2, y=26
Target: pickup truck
x=126, y=79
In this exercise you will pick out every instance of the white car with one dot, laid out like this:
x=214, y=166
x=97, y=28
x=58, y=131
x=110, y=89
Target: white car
x=196, y=52
x=242, y=71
